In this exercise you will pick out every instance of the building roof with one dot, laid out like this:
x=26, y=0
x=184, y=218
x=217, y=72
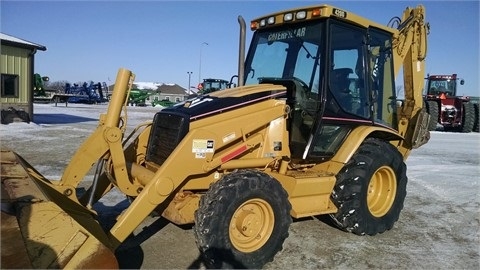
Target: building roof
x=18, y=42
x=171, y=89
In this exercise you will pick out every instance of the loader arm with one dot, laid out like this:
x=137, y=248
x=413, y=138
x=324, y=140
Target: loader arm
x=409, y=51
x=43, y=224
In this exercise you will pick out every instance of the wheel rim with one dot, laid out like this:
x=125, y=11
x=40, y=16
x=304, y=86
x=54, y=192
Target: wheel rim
x=251, y=225
x=381, y=191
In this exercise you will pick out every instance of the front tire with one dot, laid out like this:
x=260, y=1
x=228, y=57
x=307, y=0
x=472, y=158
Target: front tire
x=242, y=221
x=370, y=189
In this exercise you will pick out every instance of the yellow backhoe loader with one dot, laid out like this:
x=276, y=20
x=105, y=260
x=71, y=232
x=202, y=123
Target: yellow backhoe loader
x=314, y=128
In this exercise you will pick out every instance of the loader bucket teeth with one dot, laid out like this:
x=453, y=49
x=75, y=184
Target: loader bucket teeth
x=41, y=228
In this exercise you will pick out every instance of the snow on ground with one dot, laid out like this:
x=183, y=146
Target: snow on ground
x=57, y=131
x=438, y=228
x=81, y=117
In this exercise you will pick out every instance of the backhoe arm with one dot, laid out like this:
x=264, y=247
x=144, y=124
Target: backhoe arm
x=410, y=50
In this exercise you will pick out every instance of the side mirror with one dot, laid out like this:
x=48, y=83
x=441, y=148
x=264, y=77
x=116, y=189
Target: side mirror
x=45, y=79
x=462, y=82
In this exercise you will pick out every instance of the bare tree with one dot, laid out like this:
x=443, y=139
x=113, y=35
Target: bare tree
x=58, y=86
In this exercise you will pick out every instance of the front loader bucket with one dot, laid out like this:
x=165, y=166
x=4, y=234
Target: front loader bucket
x=42, y=228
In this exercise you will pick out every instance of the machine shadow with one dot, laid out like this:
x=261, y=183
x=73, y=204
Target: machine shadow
x=325, y=219
x=130, y=254
x=60, y=118
x=226, y=255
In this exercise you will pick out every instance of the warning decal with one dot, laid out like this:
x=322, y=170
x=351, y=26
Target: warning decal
x=203, y=146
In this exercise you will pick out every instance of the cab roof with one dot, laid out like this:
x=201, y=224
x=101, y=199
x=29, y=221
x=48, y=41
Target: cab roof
x=315, y=12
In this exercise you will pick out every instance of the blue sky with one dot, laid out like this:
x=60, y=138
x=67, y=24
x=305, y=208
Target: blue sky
x=160, y=41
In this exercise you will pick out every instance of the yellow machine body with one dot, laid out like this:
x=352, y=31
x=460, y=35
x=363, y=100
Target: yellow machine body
x=54, y=228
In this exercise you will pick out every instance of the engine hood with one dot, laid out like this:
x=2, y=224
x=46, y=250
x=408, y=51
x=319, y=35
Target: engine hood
x=225, y=100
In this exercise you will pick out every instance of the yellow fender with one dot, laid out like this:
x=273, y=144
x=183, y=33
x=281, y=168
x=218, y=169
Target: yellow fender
x=353, y=142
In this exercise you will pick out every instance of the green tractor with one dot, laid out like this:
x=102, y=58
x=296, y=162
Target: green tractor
x=40, y=94
x=212, y=85
x=164, y=103
x=138, y=97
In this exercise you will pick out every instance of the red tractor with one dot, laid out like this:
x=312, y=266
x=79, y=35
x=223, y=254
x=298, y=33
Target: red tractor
x=452, y=112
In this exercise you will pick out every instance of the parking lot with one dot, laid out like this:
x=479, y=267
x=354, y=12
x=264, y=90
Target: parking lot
x=438, y=228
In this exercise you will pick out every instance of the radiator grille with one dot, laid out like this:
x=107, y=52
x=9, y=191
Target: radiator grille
x=167, y=131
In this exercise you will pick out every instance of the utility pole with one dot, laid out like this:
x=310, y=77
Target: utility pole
x=189, y=75
x=200, y=65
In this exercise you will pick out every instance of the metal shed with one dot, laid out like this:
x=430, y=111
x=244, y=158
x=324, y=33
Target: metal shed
x=17, y=64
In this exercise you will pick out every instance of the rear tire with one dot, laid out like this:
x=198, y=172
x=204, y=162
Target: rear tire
x=476, y=122
x=432, y=107
x=242, y=220
x=468, y=118
x=370, y=189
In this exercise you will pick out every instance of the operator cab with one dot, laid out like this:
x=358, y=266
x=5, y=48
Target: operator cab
x=338, y=76
x=212, y=85
x=438, y=85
